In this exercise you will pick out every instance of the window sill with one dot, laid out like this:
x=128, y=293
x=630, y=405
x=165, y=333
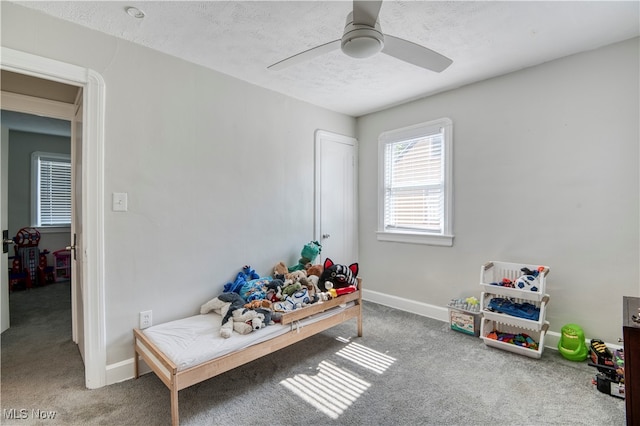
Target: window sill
x=431, y=240
x=53, y=229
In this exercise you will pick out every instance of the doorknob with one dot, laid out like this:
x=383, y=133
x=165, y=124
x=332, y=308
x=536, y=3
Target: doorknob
x=325, y=236
x=73, y=247
x=6, y=241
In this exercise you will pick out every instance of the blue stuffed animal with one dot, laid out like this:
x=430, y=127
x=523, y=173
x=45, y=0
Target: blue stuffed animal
x=248, y=285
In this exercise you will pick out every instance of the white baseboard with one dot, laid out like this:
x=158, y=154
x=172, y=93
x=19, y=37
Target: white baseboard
x=442, y=314
x=419, y=308
x=124, y=370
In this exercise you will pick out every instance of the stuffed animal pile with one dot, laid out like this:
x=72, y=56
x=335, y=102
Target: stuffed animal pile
x=251, y=302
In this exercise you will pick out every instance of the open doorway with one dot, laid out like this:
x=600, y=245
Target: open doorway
x=88, y=259
x=38, y=191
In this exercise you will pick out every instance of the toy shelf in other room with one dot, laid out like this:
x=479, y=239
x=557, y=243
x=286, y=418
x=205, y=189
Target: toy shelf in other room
x=489, y=326
x=62, y=267
x=494, y=273
x=527, y=320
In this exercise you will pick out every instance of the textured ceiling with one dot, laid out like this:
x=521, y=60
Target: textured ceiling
x=240, y=38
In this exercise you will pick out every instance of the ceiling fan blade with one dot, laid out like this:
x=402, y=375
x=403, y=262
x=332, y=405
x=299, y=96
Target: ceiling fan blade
x=366, y=12
x=306, y=55
x=415, y=54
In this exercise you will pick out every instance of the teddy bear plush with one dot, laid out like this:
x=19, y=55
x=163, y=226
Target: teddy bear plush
x=294, y=277
x=280, y=269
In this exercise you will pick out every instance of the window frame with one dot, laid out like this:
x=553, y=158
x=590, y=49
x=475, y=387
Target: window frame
x=36, y=157
x=445, y=237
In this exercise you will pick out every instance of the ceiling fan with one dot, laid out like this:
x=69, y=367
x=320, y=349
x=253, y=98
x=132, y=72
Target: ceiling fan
x=363, y=38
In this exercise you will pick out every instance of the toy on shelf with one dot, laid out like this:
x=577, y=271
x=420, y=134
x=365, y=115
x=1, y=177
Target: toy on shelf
x=521, y=310
x=527, y=281
x=519, y=339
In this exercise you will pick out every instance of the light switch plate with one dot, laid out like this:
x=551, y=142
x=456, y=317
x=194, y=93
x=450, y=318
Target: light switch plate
x=119, y=201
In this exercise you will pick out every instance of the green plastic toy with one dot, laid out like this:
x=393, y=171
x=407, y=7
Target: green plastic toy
x=572, y=345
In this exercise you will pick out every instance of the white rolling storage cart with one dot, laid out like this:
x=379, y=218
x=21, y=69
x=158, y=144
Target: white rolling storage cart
x=513, y=306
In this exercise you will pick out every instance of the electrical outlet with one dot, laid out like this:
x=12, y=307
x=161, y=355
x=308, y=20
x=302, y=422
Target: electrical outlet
x=145, y=319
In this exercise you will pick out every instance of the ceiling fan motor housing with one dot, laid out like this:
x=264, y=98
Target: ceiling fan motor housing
x=361, y=41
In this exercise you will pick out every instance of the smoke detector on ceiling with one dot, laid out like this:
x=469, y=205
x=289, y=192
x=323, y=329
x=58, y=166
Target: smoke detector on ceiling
x=135, y=12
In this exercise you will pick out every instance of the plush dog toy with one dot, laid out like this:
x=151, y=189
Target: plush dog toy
x=234, y=316
x=338, y=276
x=263, y=307
x=256, y=304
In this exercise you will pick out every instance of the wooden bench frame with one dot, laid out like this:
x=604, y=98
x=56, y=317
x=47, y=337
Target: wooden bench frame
x=176, y=380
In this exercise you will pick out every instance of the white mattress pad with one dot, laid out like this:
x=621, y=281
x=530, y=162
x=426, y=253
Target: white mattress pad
x=194, y=340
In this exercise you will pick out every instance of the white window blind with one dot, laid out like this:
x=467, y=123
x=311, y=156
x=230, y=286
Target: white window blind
x=415, y=203
x=414, y=185
x=53, y=189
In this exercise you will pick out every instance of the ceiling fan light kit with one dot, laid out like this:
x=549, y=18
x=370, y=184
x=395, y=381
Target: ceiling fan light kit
x=361, y=41
x=363, y=38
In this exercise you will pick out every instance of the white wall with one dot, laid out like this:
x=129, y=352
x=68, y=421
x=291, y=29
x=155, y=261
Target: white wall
x=545, y=172
x=219, y=173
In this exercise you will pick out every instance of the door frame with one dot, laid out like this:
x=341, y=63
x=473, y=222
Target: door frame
x=92, y=197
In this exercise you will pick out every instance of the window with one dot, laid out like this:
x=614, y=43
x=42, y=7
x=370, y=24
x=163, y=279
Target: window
x=51, y=189
x=415, y=184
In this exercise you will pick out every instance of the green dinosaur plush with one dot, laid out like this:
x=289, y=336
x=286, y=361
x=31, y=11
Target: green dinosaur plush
x=308, y=254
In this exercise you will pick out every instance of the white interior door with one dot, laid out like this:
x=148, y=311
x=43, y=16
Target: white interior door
x=4, y=222
x=77, y=251
x=337, y=196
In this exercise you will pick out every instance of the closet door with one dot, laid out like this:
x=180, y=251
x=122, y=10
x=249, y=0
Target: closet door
x=337, y=196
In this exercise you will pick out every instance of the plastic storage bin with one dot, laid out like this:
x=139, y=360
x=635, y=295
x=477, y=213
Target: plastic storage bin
x=489, y=326
x=531, y=324
x=464, y=320
x=494, y=272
